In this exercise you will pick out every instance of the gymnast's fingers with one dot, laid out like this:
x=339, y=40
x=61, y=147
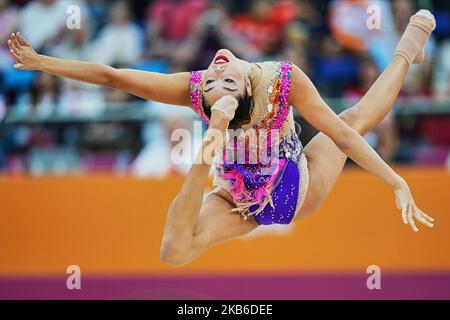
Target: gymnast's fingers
x=10, y=44
x=397, y=202
x=16, y=42
x=423, y=221
x=23, y=40
x=411, y=219
x=430, y=219
x=14, y=55
x=423, y=218
x=404, y=207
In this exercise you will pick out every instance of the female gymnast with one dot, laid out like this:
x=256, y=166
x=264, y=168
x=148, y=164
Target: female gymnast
x=257, y=97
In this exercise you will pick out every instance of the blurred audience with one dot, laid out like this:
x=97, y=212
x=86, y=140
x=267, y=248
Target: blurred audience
x=8, y=24
x=441, y=74
x=169, y=23
x=332, y=41
x=262, y=23
x=384, y=137
x=121, y=40
x=78, y=98
x=42, y=21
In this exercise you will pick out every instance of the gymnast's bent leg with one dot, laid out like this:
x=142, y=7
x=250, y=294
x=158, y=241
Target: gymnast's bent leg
x=194, y=225
x=325, y=160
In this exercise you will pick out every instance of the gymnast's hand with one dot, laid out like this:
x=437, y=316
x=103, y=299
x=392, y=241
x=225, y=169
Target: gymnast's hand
x=23, y=53
x=410, y=211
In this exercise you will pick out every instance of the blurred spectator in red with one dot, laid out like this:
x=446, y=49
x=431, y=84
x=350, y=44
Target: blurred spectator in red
x=210, y=32
x=263, y=24
x=172, y=20
x=169, y=23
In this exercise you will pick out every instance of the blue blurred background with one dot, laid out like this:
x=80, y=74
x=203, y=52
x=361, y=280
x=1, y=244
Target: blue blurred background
x=53, y=126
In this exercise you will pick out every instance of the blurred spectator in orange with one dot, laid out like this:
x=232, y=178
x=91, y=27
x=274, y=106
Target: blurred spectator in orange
x=346, y=19
x=365, y=25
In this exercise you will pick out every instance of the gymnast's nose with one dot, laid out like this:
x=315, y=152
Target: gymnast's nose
x=219, y=68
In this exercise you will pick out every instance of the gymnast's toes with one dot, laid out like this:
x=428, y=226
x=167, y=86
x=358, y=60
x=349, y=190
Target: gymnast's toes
x=425, y=20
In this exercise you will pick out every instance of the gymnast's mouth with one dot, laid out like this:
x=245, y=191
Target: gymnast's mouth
x=221, y=59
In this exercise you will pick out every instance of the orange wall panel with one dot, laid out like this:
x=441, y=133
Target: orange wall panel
x=110, y=225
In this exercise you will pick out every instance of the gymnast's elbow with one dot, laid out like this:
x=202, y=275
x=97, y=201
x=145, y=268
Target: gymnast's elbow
x=110, y=77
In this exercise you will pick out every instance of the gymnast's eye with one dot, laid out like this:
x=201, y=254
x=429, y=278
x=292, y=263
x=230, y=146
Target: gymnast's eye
x=209, y=82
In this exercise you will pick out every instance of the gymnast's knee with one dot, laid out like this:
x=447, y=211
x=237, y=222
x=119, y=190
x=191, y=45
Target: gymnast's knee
x=311, y=206
x=174, y=253
x=354, y=117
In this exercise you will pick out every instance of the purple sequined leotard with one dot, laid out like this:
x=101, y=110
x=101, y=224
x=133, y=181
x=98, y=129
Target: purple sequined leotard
x=267, y=176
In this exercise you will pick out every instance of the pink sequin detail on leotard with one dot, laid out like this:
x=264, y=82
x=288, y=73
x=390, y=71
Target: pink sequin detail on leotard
x=196, y=95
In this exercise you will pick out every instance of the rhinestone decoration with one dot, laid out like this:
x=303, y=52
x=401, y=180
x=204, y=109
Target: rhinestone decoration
x=195, y=94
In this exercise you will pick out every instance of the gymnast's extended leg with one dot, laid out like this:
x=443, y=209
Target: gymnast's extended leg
x=325, y=160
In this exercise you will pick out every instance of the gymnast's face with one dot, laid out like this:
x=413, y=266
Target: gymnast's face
x=225, y=76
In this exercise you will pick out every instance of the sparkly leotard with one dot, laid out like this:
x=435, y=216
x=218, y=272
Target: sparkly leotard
x=271, y=188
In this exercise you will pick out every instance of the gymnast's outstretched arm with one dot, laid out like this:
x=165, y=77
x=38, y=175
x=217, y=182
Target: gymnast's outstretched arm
x=164, y=88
